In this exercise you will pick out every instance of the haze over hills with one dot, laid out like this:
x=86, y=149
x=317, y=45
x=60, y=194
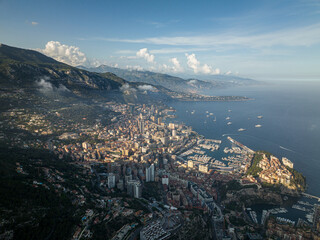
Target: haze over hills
x=38, y=74
x=32, y=71
x=21, y=67
x=175, y=83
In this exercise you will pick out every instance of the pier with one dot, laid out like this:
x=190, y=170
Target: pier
x=311, y=196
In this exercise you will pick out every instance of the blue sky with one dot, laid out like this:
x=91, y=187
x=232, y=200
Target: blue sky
x=261, y=39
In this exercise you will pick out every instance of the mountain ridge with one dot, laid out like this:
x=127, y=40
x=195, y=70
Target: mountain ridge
x=173, y=82
x=23, y=67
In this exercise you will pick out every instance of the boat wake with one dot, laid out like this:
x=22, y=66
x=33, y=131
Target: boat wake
x=229, y=134
x=287, y=149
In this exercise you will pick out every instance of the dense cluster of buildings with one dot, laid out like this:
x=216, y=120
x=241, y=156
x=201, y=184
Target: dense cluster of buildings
x=273, y=171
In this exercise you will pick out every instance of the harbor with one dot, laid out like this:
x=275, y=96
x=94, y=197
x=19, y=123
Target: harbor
x=303, y=209
x=235, y=157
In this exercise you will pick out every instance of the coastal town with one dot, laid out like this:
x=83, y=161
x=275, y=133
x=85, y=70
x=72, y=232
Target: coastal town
x=162, y=180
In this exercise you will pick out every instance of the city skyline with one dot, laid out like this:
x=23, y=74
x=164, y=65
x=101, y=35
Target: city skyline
x=256, y=39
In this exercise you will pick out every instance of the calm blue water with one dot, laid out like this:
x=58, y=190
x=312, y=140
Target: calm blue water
x=290, y=123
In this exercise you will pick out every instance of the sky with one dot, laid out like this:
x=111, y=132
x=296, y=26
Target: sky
x=260, y=39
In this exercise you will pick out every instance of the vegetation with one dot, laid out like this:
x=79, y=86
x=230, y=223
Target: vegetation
x=254, y=169
x=273, y=187
x=151, y=190
x=232, y=185
x=237, y=221
x=234, y=206
x=298, y=179
x=33, y=212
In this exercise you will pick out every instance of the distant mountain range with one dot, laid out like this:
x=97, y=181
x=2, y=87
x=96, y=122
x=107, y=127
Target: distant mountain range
x=32, y=71
x=175, y=83
x=34, y=74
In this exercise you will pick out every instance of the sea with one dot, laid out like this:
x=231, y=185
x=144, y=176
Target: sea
x=290, y=122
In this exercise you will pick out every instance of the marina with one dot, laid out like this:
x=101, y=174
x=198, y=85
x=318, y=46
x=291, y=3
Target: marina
x=233, y=157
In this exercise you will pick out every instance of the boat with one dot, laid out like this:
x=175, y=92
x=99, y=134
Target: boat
x=258, y=126
x=207, y=111
x=229, y=123
x=211, y=114
x=227, y=118
x=259, y=116
x=193, y=112
x=299, y=207
x=215, y=119
x=265, y=215
x=229, y=110
x=309, y=217
x=241, y=129
x=253, y=215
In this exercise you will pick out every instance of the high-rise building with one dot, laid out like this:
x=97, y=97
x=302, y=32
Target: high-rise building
x=141, y=126
x=203, y=168
x=190, y=164
x=287, y=162
x=120, y=185
x=134, y=188
x=85, y=145
x=165, y=180
x=174, y=133
x=164, y=140
x=111, y=180
x=131, y=108
x=137, y=190
x=150, y=173
x=127, y=178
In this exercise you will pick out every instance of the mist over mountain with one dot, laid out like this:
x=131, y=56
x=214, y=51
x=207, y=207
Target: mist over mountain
x=175, y=83
x=23, y=68
x=31, y=71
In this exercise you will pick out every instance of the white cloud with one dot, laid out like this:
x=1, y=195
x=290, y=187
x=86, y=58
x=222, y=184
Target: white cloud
x=135, y=67
x=195, y=65
x=147, y=88
x=176, y=65
x=46, y=87
x=228, y=73
x=298, y=36
x=143, y=53
x=64, y=53
x=128, y=90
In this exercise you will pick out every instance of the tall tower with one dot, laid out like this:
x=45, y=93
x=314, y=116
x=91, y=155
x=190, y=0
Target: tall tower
x=150, y=173
x=141, y=126
x=111, y=180
x=137, y=190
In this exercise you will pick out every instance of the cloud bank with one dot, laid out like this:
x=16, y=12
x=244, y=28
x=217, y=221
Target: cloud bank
x=46, y=87
x=63, y=53
x=147, y=88
x=195, y=65
x=176, y=65
x=143, y=53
